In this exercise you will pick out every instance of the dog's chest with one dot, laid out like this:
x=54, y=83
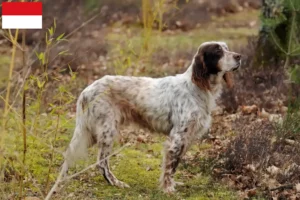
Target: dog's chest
x=204, y=119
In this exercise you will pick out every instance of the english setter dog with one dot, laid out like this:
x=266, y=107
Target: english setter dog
x=179, y=106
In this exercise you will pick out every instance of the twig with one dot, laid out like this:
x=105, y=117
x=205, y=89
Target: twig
x=23, y=116
x=59, y=180
x=72, y=32
x=22, y=86
x=7, y=97
x=6, y=110
x=52, y=153
x=11, y=40
x=82, y=25
x=34, y=182
x=24, y=99
x=34, y=136
x=282, y=187
x=95, y=164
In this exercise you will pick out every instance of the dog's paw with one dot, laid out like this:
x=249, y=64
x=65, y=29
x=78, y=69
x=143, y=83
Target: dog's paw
x=121, y=184
x=179, y=183
x=169, y=190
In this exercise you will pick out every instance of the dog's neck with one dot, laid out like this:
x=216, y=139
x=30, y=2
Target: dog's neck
x=215, y=81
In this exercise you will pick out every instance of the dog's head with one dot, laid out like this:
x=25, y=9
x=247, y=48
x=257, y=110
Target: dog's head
x=214, y=58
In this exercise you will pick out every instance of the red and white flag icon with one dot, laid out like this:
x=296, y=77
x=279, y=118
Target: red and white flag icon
x=22, y=15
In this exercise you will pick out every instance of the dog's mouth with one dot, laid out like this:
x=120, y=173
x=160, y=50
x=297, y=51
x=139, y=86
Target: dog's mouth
x=237, y=66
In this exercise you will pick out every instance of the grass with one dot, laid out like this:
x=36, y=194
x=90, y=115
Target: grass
x=182, y=40
x=139, y=166
x=290, y=127
x=169, y=46
x=238, y=18
x=179, y=40
x=4, y=61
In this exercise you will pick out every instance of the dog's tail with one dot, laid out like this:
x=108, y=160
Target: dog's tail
x=77, y=149
x=78, y=146
x=82, y=138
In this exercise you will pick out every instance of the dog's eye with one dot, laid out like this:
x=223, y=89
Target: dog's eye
x=219, y=48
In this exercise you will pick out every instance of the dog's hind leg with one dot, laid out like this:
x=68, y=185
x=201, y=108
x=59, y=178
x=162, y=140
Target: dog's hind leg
x=107, y=133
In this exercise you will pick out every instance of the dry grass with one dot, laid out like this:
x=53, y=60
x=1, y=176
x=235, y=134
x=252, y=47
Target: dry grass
x=263, y=156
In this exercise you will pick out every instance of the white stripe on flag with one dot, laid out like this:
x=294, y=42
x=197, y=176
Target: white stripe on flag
x=22, y=21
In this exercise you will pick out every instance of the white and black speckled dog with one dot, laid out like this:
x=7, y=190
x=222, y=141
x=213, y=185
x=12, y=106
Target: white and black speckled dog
x=179, y=106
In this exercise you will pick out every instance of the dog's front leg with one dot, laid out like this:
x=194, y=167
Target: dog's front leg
x=175, y=148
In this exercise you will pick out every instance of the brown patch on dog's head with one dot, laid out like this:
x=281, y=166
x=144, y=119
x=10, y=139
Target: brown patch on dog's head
x=199, y=76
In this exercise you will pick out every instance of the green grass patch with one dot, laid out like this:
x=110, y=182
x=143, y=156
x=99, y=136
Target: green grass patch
x=139, y=166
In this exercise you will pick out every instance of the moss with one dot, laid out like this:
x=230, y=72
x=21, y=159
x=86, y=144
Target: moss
x=204, y=146
x=139, y=166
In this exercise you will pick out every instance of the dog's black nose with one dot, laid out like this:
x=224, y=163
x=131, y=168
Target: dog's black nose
x=237, y=57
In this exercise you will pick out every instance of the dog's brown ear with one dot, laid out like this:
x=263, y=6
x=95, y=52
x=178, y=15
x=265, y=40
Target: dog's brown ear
x=228, y=78
x=200, y=76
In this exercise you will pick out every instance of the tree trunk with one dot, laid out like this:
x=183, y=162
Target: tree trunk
x=267, y=53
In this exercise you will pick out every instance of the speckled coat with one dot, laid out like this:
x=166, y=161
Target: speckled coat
x=179, y=106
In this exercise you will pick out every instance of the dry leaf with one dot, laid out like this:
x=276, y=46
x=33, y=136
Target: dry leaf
x=297, y=187
x=141, y=138
x=249, y=109
x=273, y=170
x=251, y=167
x=275, y=118
x=32, y=198
x=283, y=109
x=149, y=169
x=251, y=193
x=264, y=114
